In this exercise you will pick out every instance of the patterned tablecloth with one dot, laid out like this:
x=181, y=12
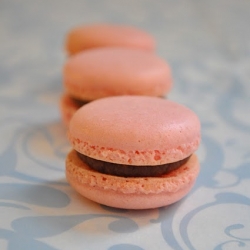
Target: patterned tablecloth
x=207, y=44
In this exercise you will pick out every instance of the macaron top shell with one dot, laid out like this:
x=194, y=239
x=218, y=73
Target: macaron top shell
x=104, y=35
x=135, y=130
x=102, y=72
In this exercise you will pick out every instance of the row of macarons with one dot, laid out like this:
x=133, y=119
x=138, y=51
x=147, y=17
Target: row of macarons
x=111, y=60
x=132, y=149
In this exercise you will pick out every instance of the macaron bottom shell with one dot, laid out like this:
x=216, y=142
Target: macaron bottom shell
x=67, y=108
x=131, y=193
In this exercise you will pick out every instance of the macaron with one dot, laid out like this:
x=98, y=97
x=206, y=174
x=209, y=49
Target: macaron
x=107, y=35
x=104, y=72
x=133, y=152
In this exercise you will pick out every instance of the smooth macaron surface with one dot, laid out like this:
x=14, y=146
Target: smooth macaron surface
x=135, y=130
x=105, y=72
x=107, y=35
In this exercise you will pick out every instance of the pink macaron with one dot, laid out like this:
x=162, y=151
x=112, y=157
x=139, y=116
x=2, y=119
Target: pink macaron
x=104, y=72
x=133, y=152
x=107, y=35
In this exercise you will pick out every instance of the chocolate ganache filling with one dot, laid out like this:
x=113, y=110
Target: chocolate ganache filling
x=129, y=170
x=79, y=102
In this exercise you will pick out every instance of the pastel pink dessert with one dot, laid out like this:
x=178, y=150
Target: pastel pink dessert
x=107, y=35
x=133, y=152
x=104, y=72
